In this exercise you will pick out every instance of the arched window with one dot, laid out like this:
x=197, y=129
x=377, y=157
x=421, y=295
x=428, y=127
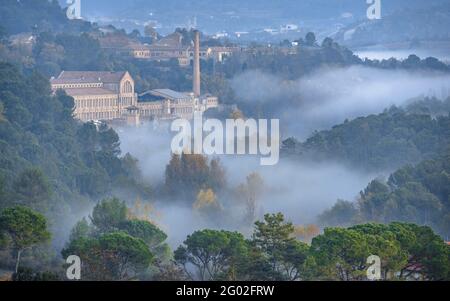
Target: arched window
x=127, y=87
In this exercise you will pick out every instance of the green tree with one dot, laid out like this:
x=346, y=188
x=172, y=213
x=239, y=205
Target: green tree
x=343, y=213
x=150, y=234
x=88, y=134
x=33, y=189
x=388, y=140
x=126, y=254
x=186, y=174
x=293, y=258
x=273, y=234
x=428, y=254
x=109, y=140
x=274, y=238
x=24, y=229
x=416, y=194
x=214, y=254
x=82, y=229
x=341, y=254
x=173, y=175
x=407, y=252
x=384, y=243
x=310, y=39
x=112, y=256
x=109, y=214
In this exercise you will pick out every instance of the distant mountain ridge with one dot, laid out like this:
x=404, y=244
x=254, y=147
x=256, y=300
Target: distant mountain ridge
x=402, y=19
x=231, y=15
x=410, y=25
x=288, y=8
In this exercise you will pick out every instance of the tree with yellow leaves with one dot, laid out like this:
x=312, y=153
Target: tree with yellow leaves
x=306, y=233
x=186, y=174
x=141, y=211
x=206, y=202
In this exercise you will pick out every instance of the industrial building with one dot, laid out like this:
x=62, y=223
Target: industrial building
x=169, y=47
x=111, y=96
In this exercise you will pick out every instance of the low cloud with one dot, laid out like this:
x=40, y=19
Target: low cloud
x=300, y=190
x=329, y=96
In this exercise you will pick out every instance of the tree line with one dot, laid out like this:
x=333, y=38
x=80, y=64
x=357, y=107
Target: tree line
x=413, y=193
x=114, y=245
x=52, y=163
x=384, y=141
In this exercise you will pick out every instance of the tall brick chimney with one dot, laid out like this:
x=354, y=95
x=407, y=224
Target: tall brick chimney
x=196, y=81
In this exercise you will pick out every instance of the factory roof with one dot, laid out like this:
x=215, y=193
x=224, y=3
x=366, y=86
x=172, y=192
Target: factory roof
x=170, y=94
x=66, y=77
x=149, y=97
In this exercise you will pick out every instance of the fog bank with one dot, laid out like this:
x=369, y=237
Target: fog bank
x=329, y=96
x=300, y=190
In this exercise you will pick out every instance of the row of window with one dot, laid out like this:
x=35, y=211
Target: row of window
x=97, y=116
x=90, y=85
x=96, y=103
x=150, y=112
x=127, y=101
x=142, y=53
x=184, y=110
x=102, y=102
x=113, y=114
x=167, y=54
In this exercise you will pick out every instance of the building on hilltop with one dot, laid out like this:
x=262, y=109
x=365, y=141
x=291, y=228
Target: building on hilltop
x=165, y=49
x=111, y=96
x=97, y=95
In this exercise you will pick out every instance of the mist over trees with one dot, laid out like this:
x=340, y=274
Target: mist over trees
x=337, y=254
x=114, y=245
x=188, y=173
x=21, y=229
x=377, y=142
x=414, y=193
x=67, y=188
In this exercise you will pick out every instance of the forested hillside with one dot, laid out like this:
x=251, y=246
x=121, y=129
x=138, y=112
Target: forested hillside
x=272, y=252
x=50, y=161
x=67, y=188
x=417, y=194
x=377, y=142
x=37, y=16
